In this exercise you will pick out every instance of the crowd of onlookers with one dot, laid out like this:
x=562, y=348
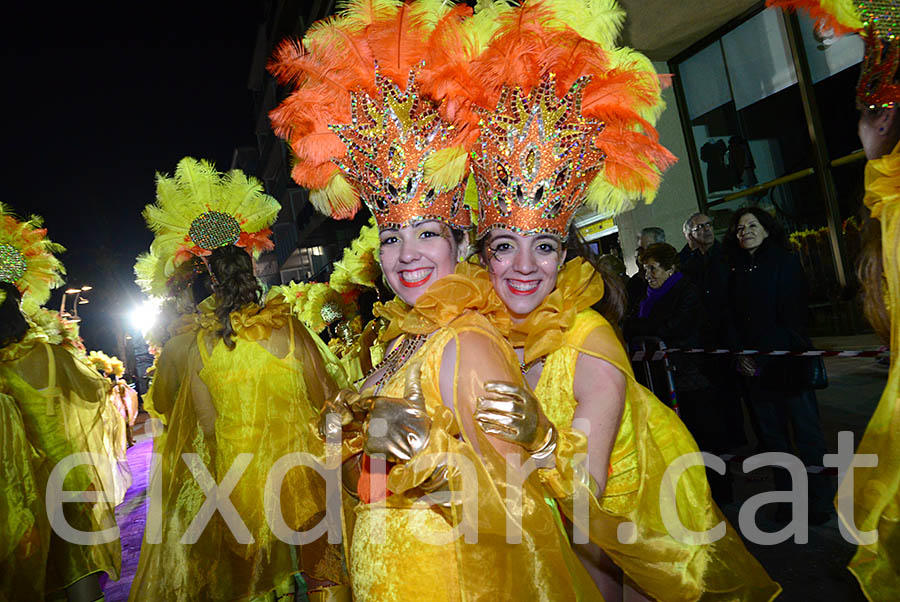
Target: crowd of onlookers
x=747, y=291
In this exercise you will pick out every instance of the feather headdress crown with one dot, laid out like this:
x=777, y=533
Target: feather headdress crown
x=358, y=123
x=200, y=209
x=564, y=118
x=27, y=259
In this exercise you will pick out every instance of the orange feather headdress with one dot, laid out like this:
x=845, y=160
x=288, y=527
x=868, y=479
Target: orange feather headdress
x=563, y=117
x=359, y=125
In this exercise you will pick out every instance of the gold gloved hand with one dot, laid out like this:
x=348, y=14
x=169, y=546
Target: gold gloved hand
x=513, y=413
x=405, y=422
x=348, y=404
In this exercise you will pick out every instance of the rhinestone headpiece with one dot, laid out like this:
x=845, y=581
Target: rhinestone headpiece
x=12, y=264
x=213, y=229
x=388, y=140
x=877, y=86
x=535, y=158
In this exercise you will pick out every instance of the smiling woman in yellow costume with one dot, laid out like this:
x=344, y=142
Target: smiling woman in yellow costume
x=876, y=490
x=59, y=400
x=357, y=103
x=566, y=119
x=249, y=380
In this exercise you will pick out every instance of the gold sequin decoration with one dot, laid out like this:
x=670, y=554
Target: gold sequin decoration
x=214, y=229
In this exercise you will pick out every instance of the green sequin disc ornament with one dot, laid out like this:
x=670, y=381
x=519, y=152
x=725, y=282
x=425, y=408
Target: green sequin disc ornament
x=12, y=264
x=214, y=229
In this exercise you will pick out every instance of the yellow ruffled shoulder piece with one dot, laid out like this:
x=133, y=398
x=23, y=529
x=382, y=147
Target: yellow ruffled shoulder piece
x=578, y=287
x=468, y=288
x=252, y=322
x=15, y=351
x=882, y=182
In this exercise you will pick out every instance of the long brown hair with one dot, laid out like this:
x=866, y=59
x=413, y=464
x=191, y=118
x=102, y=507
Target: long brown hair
x=870, y=271
x=234, y=286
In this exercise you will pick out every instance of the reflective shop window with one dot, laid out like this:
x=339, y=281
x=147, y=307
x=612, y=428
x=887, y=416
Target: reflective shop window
x=744, y=107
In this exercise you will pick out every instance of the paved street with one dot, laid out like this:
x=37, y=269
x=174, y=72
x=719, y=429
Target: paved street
x=817, y=570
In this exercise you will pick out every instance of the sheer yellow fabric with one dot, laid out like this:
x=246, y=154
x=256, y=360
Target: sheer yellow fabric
x=650, y=437
x=877, y=489
x=24, y=531
x=391, y=557
x=61, y=402
x=258, y=398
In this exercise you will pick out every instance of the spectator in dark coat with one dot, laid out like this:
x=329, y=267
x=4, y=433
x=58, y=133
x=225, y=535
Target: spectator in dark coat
x=703, y=260
x=673, y=312
x=768, y=296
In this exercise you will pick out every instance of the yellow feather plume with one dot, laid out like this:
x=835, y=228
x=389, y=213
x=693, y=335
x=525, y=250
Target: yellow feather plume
x=446, y=168
x=195, y=189
x=30, y=265
x=596, y=20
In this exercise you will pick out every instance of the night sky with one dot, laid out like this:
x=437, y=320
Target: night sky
x=99, y=97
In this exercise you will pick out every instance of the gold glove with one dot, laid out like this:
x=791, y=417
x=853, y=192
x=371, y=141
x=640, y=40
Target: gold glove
x=349, y=406
x=404, y=423
x=513, y=413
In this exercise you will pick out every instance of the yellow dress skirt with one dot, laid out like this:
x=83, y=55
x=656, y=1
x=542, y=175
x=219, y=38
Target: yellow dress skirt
x=246, y=408
x=876, y=490
x=61, y=402
x=650, y=437
x=403, y=548
x=24, y=531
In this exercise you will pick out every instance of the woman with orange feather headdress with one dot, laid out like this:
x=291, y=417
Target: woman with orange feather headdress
x=565, y=119
x=363, y=132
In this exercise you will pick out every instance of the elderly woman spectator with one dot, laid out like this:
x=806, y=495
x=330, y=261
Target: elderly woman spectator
x=672, y=311
x=768, y=299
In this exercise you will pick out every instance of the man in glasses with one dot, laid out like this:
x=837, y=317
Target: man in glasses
x=703, y=260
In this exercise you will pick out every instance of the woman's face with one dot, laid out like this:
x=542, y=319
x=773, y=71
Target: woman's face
x=523, y=268
x=414, y=257
x=750, y=233
x=655, y=274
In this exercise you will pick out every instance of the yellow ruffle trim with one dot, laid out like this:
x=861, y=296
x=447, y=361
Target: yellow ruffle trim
x=469, y=288
x=578, y=287
x=252, y=323
x=882, y=182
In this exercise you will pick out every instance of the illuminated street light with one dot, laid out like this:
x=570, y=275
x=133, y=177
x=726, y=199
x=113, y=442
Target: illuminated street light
x=143, y=317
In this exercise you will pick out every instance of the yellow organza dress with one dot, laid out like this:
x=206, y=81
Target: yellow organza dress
x=876, y=490
x=404, y=548
x=24, y=531
x=61, y=401
x=650, y=437
x=250, y=406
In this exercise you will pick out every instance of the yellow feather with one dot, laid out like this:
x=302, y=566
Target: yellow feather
x=597, y=20
x=447, y=167
x=338, y=197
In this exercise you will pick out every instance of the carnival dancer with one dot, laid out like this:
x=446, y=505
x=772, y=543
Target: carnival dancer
x=250, y=381
x=565, y=119
x=60, y=401
x=871, y=515
x=362, y=131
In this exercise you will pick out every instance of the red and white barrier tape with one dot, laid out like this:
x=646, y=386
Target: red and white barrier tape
x=640, y=356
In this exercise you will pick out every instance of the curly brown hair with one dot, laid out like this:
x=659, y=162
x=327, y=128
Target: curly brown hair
x=234, y=286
